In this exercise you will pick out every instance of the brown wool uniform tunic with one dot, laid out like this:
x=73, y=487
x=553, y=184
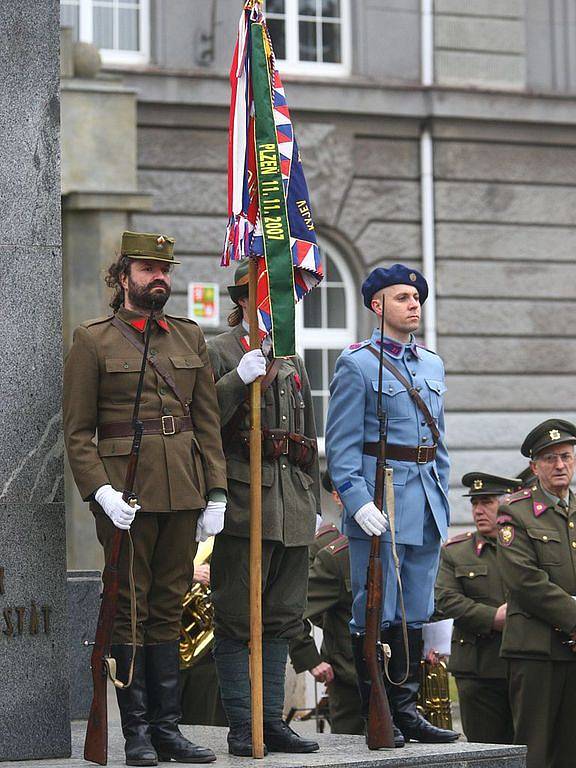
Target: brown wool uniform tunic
x=290, y=500
x=537, y=559
x=175, y=472
x=330, y=607
x=469, y=589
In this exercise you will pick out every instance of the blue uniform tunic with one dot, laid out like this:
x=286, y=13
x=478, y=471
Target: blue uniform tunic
x=421, y=503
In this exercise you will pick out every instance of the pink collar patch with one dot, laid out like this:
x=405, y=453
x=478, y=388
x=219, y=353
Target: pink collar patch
x=538, y=508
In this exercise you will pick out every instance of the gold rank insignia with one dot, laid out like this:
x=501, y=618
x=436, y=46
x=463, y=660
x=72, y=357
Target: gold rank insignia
x=478, y=484
x=412, y=276
x=554, y=434
x=160, y=241
x=506, y=535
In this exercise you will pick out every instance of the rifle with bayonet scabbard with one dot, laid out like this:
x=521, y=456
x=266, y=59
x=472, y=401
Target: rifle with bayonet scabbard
x=380, y=730
x=101, y=663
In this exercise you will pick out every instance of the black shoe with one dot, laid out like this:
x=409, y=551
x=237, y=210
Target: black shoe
x=365, y=685
x=133, y=705
x=279, y=737
x=413, y=725
x=240, y=740
x=163, y=683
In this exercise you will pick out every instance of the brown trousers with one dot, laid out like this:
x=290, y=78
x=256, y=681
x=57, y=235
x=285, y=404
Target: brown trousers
x=543, y=701
x=164, y=549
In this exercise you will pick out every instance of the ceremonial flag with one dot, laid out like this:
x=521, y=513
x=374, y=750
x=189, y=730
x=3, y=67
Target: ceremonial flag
x=268, y=201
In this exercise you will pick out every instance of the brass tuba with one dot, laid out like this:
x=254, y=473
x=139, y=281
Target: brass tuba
x=434, y=694
x=197, y=624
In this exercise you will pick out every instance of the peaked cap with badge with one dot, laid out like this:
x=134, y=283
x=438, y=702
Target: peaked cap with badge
x=397, y=274
x=143, y=245
x=548, y=433
x=483, y=484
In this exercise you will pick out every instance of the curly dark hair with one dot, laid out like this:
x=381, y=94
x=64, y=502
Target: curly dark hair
x=120, y=267
x=235, y=317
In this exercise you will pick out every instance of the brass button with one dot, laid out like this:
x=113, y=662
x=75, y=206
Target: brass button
x=418, y=389
x=283, y=466
x=461, y=642
x=570, y=524
x=413, y=373
x=424, y=439
x=574, y=545
x=163, y=390
x=471, y=574
x=284, y=418
x=152, y=352
x=166, y=411
x=544, y=538
x=282, y=392
x=126, y=365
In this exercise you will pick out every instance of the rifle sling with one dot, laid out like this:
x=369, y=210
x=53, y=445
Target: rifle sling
x=411, y=389
x=160, y=370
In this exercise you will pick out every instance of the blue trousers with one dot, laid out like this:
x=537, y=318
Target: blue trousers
x=418, y=568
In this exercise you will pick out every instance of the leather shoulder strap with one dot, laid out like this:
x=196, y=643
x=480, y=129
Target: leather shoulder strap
x=420, y=404
x=160, y=370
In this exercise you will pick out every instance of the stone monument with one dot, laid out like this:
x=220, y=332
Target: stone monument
x=34, y=707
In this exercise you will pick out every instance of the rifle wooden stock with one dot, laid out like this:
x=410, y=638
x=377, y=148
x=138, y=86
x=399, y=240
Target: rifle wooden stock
x=380, y=731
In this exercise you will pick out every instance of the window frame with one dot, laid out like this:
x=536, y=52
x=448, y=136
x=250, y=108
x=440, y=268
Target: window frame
x=324, y=338
x=292, y=65
x=111, y=56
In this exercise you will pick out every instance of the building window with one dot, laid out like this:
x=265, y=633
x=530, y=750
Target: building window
x=120, y=28
x=310, y=36
x=326, y=324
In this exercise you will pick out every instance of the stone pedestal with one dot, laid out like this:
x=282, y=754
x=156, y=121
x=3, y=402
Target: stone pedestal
x=34, y=714
x=84, y=588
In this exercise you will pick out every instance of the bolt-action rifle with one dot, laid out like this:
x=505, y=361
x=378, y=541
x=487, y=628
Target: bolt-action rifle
x=101, y=663
x=380, y=731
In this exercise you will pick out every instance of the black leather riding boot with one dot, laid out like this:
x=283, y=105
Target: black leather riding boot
x=365, y=685
x=133, y=705
x=404, y=697
x=163, y=682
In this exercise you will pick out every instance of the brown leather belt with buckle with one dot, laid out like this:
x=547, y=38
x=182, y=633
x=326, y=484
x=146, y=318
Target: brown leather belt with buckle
x=165, y=425
x=421, y=454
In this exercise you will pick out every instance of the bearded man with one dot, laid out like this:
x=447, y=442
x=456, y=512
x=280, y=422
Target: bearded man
x=180, y=482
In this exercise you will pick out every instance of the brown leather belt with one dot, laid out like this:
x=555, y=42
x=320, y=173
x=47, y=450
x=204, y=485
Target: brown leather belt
x=422, y=454
x=165, y=425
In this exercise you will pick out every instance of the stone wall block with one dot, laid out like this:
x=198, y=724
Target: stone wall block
x=491, y=70
x=182, y=148
x=199, y=192
x=467, y=33
x=516, y=392
x=508, y=355
x=372, y=200
x=501, y=8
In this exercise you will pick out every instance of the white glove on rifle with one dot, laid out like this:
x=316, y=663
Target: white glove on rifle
x=211, y=521
x=371, y=520
x=252, y=365
x=111, y=501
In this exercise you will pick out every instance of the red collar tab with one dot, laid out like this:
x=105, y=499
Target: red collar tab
x=539, y=508
x=139, y=324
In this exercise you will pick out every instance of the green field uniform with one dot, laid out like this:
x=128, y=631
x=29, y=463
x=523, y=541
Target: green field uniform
x=469, y=589
x=330, y=607
x=289, y=500
x=537, y=560
x=175, y=471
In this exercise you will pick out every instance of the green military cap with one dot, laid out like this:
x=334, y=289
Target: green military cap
x=482, y=484
x=240, y=287
x=527, y=477
x=549, y=432
x=143, y=245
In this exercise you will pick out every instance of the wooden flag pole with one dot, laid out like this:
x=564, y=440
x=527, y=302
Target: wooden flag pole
x=255, y=530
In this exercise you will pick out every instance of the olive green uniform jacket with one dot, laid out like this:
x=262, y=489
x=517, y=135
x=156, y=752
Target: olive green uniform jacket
x=469, y=589
x=175, y=472
x=537, y=559
x=290, y=496
x=330, y=607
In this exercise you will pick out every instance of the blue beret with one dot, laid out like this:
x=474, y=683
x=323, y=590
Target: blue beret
x=397, y=274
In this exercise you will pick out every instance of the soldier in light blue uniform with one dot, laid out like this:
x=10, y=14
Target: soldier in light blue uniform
x=417, y=453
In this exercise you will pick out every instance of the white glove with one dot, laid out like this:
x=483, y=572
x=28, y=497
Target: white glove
x=371, y=520
x=111, y=501
x=211, y=521
x=252, y=365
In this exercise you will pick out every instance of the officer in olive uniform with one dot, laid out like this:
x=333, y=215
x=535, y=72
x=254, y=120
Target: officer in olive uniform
x=537, y=560
x=469, y=589
x=290, y=503
x=330, y=607
x=180, y=481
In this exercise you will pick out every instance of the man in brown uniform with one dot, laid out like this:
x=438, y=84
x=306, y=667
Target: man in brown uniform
x=469, y=589
x=537, y=560
x=290, y=502
x=180, y=482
